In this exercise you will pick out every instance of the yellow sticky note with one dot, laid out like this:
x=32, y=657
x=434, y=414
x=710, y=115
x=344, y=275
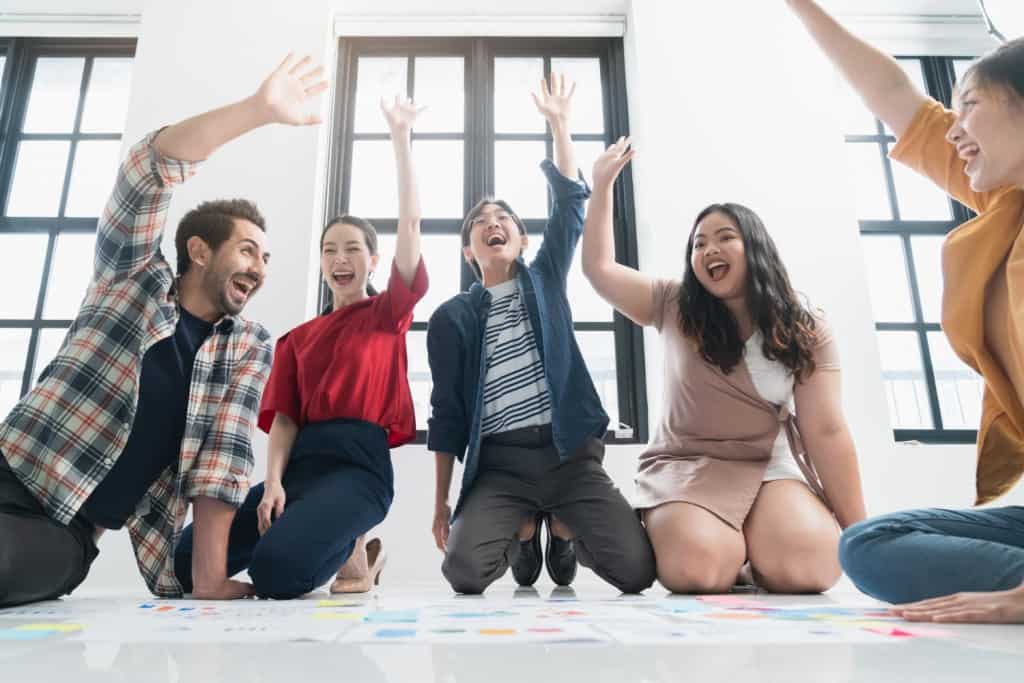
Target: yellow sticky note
x=336, y=603
x=63, y=628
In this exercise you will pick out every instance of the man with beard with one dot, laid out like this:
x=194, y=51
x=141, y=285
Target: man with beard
x=151, y=400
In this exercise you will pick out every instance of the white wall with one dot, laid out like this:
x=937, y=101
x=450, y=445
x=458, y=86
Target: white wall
x=720, y=110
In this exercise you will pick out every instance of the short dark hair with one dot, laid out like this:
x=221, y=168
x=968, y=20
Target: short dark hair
x=467, y=224
x=369, y=236
x=1002, y=67
x=213, y=222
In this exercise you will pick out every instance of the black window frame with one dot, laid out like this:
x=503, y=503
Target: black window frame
x=18, y=72
x=478, y=167
x=939, y=77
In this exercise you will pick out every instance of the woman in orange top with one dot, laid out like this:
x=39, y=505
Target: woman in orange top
x=957, y=565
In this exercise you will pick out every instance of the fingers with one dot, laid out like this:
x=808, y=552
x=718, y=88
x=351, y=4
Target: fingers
x=286, y=62
x=544, y=88
x=316, y=89
x=312, y=75
x=572, y=91
x=295, y=68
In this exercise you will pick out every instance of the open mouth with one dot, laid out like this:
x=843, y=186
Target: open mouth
x=718, y=270
x=969, y=153
x=496, y=239
x=242, y=288
x=343, y=277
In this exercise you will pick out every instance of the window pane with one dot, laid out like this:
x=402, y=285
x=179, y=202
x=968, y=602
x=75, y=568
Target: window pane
x=587, y=152
x=38, y=178
x=959, y=387
x=47, y=347
x=13, y=354
x=69, y=275
x=865, y=167
x=378, y=77
x=439, y=87
x=857, y=118
x=419, y=375
x=442, y=256
x=106, y=100
x=887, y=278
x=514, y=79
x=960, y=67
x=53, y=100
x=587, y=109
x=927, y=251
x=598, y=349
x=518, y=178
x=21, y=272
x=903, y=376
x=92, y=177
x=918, y=197
x=587, y=305
x=373, y=190
x=439, y=172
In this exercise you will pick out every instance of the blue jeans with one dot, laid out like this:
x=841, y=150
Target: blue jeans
x=338, y=486
x=920, y=554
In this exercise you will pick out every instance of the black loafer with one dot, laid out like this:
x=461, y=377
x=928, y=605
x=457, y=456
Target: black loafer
x=559, y=558
x=526, y=568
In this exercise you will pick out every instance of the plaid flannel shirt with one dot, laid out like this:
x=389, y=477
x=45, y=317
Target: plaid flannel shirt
x=64, y=436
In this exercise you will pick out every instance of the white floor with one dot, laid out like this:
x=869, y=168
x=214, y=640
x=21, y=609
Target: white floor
x=428, y=634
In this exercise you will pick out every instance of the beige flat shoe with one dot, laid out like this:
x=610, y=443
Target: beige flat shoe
x=376, y=558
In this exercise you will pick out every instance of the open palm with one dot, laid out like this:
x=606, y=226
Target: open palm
x=555, y=101
x=401, y=114
x=285, y=93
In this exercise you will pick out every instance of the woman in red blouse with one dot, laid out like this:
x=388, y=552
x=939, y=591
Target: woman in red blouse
x=337, y=401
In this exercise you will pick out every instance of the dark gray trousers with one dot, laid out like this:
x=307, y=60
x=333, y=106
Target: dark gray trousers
x=40, y=559
x=521, y=475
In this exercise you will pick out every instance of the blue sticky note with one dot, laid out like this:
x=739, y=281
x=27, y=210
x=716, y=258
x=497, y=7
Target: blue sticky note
x=396, y=633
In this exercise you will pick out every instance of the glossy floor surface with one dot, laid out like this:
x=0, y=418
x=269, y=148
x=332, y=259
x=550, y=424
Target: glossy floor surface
x=428, y=634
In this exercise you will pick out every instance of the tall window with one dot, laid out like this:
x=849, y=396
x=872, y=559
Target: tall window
x=904, y=218
x=62, y=112
x=482, y=136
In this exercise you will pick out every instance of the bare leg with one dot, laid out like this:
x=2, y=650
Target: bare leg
x=792, y=539
x=696, y=552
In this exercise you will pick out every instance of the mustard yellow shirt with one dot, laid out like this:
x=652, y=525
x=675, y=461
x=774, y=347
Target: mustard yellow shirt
x=983, y=295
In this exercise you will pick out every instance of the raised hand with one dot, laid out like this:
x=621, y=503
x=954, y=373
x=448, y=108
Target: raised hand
x=611, y=162
x=400, y=115
x=555, y=102
x=283, y=96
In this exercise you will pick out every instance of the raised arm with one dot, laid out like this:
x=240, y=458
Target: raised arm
x=628, y=290
x=878, y=79
x=555, y=103
x=281, y=98
x=400, y=117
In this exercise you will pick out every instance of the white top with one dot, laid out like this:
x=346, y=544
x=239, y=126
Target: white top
x=515, y=386
x=775, y=384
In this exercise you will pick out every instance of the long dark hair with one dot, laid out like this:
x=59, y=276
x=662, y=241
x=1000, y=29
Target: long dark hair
x=369, y=236
x=787, y=326
x=1002, y=67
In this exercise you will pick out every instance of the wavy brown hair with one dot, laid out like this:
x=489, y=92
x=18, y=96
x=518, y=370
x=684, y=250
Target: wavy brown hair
x=787, y=325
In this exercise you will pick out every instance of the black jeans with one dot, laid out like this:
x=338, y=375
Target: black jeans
x=40, y=559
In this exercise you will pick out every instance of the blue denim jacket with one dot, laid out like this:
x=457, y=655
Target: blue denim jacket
x=457, y=355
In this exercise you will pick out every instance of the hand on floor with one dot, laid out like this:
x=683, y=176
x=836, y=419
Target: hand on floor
x=999, y=607
x=227, y=590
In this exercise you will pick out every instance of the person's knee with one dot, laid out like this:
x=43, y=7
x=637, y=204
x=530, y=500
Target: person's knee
x=799, y=573
x=275, y=575
x=696, y=569
x=858, y=556
x=465, y=572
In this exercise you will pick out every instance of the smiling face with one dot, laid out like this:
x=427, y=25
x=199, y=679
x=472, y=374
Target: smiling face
x=494, y=239
x=718, y=258
x=236, y=268
x=346, y=261
x=989, y=135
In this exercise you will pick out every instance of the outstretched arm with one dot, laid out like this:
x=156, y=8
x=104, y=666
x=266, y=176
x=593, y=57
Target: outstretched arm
x=281, y=98
x=400, y=117
x=628, y=290
x=877, y=78
x=555, y=103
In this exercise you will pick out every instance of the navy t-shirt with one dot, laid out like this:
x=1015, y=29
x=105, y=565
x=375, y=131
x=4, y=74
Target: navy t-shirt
x=155, y=440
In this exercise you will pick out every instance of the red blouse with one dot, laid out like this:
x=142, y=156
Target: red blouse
x=349, y=363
